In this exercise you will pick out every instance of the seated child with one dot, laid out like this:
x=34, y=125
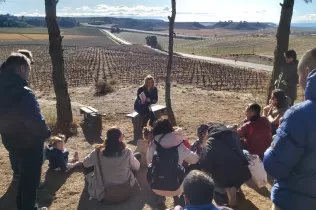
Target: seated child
x=57, y=155
x=147, y=134
x=198, y=192
x=142, y=146
x=198, y=145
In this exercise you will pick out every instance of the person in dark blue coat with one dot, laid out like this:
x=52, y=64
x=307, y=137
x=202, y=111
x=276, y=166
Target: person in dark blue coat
x=22, y=127
x=147, y=95
x=291, y=159
x=13, y=160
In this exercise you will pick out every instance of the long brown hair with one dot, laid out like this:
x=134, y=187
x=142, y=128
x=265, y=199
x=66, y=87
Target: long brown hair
x=112, y=145
x=147, y=78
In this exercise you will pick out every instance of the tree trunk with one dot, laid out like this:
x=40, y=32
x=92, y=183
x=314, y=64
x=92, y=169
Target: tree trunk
x=171, y=116
x=63, y=105
x=282, y=37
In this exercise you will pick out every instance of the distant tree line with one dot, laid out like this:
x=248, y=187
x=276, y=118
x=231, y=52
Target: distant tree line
x=242, y=25
x=28, y=22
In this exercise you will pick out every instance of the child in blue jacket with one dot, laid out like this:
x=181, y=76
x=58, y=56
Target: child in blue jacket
x=57, y=155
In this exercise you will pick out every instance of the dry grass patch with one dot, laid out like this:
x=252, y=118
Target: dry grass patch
x=7, y=37
x=192, y=106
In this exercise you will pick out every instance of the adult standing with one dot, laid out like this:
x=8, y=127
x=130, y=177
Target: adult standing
x=13, y=160
x=288, y=78
x=147, y=95
x=22, y=127
x=291, y=158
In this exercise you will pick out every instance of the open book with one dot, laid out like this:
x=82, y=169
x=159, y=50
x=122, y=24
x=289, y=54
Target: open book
x=142, y=96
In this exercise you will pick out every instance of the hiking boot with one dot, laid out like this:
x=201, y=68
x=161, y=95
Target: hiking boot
x=16, y=178
x=178, y=201
x=160, y=200
x=76, y=157
x=41, y=185
x=232, y=196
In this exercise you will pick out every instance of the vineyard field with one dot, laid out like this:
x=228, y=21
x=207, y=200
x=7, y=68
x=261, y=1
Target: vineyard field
x=130, y=64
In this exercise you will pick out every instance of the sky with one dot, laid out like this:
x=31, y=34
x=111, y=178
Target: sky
x=187, y=10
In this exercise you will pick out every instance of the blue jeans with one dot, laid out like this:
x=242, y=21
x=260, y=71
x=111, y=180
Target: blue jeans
x=14, y=163
x=29, y=165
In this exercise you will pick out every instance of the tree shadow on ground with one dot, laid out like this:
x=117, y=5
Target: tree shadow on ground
x=93, y=136
x=243, y=203
x=137, y=202
x=246, y=205
x=53, y=182
x=8, y=201
x=270, y=180
x=262, y=191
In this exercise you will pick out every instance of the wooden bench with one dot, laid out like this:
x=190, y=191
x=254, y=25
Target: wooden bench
x=92, y=117
x=137, y=121
x=92, y=124
x=88, y=110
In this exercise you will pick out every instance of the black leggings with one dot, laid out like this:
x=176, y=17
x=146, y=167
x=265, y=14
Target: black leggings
x=149, y=116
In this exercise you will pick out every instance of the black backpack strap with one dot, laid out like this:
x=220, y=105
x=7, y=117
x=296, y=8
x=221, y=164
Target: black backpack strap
x=178, y=145
x=157, y=143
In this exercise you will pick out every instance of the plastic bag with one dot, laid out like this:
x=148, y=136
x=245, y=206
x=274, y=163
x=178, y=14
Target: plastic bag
x=258, y=174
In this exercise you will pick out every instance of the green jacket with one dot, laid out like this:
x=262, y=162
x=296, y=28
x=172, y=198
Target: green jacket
x=288, y=80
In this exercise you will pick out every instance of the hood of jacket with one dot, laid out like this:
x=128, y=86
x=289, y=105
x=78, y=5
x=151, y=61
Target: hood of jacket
x=51, y=151
x=10, y=80
x=220, y=132
x=310, y=91
x=11, y=87
x=169, y=140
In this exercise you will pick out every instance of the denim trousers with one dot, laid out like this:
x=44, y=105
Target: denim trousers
x=29, y=166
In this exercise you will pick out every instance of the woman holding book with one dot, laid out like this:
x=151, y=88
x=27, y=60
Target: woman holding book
x=147, y=95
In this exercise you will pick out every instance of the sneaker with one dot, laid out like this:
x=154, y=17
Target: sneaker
x=42, y=208
x=16, y=177
x=232, y=196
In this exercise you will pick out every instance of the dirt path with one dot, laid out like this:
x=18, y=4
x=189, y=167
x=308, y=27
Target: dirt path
x=198, y=57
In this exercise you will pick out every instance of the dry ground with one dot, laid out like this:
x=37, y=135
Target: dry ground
x=192, y=107
x=77, y=36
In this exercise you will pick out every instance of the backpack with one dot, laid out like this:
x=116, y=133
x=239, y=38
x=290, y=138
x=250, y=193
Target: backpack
x=165, y=173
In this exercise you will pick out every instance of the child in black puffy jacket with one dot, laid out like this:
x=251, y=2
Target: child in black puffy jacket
x=58, y=155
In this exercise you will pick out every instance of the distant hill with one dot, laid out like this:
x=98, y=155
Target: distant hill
x=142, y=24
x=242, y=25
x=30, y=22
